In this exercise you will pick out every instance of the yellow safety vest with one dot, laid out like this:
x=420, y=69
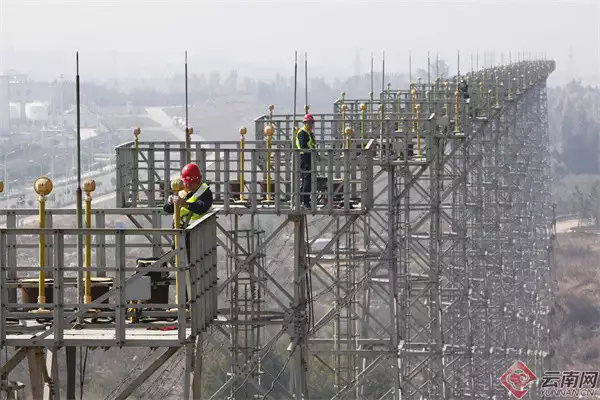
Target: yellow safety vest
x=311, y=140
x=185, y=214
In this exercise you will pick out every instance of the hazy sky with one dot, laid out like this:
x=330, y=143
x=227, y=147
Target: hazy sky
x=119, y=38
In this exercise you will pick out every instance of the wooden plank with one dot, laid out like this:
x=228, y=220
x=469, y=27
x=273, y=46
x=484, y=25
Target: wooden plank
x=35, y=357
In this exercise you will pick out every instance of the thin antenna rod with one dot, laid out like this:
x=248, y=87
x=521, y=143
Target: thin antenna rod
x=383, y=72
x=79, y=206
x=306, y=82
x=371, y=74
x=186, y=92
x=437, y=65
x=410, y=68
x=471, y=65
x=371, y=92
x=458, y=66
x=371, y=82
x=294, y=130
x=188, y=137
x=428, y=69
x=295, y=88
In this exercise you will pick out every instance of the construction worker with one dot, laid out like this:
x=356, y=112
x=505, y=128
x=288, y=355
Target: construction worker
x=306, y=140
x=463, y=88
x=195, y=200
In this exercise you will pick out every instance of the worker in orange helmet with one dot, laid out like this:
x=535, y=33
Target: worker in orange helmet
x=195, y=200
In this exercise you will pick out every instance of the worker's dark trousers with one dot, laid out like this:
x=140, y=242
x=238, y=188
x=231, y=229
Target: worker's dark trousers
x=305, y=179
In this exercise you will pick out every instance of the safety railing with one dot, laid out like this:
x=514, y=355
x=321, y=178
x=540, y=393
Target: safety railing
x=253, y=177
x=154, y=244
x=141, y=163
x=327, y=127
x=131, y=306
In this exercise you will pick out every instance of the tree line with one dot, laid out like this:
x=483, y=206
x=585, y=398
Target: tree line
x=574, y=124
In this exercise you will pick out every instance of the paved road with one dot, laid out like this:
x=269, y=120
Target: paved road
x=96, y=201
x=158, y=115
x=565, y=226
x=155, y=113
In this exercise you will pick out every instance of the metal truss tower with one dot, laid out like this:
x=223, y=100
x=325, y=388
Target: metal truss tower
x=421, y=271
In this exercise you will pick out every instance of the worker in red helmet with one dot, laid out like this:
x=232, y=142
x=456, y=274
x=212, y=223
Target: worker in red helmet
x=306, y=140
x=195, y=200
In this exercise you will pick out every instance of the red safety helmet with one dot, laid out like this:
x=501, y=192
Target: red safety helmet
x=308, y=118
x=191, y=174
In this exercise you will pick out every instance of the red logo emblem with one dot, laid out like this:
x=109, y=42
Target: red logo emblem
x=516, y=379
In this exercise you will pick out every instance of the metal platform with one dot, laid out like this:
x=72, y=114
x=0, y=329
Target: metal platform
x=195, y=308
x=398, y=283
x=144, y=173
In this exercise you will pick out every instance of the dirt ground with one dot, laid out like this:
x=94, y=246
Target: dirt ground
x=575, y=315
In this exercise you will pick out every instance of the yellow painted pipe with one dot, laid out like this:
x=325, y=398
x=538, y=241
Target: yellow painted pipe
x=348, y=134
x=176, y=220
x=413, y=100
x=176, y=187
x=398, y=109
x=88, y=187
x=136, y=134
x=481, y=90
x=344, y=109
x=363, y=109
x=42, y=253
x=497, y=99
x=269, y=131
x=447, y=87
x=43, y=187
x=418, y=121
x=457, y=111
x=242, y=133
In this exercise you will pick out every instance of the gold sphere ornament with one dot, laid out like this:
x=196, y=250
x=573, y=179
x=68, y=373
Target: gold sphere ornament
x=348, y=131
x=363, y=107
x=269, y=130
x=344, y=107
x=418, y=107
x=190, y=131
x=243, y=131
x=43, y=186
x=89, y=185
x=136, y=132
x=271, y=107
x=177, y=185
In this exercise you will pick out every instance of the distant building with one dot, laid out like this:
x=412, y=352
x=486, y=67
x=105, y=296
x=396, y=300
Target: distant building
x=37, y=102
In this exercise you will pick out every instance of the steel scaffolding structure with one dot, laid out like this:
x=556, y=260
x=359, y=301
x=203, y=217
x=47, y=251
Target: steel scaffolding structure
x=421, y=272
